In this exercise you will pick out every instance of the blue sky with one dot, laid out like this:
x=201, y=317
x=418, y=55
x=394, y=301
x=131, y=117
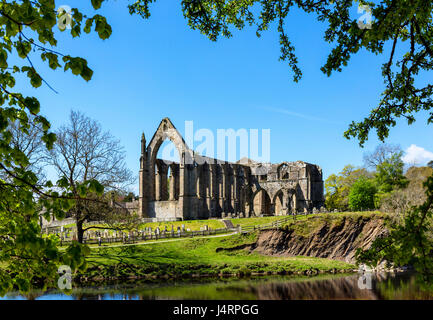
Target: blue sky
x=156, y=68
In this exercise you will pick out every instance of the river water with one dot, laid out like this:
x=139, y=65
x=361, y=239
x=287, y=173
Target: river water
x=324, y=287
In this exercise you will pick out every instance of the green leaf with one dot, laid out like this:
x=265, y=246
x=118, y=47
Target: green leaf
x=97, y=4
x=32, y=104
x=23, y=48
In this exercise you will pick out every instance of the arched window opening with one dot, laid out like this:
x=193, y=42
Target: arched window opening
x=283, y=172
x=166, y=172
x=278, y=203
x=262, y=203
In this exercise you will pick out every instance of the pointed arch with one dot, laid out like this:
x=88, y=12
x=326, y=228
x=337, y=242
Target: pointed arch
x=278, y=202
x=261, y=203
x=283, y=171
x=167, y=130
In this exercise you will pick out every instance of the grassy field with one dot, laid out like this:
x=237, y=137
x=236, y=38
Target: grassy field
x=244, y=222
x=199, y=257
x=196, y=225
x=193, y=225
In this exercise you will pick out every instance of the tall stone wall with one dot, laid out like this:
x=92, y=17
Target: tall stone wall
x=198, y=187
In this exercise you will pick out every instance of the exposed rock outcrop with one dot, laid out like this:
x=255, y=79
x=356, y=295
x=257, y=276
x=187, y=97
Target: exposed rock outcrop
x=328, y=238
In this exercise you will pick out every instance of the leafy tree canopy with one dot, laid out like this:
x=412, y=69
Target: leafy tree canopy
x=362, y=194
x=389, y=174
x=27, y=31
x=338, y=187
x=400, y=29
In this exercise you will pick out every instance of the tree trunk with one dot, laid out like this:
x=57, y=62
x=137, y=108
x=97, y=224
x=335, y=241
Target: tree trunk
x=80, y=231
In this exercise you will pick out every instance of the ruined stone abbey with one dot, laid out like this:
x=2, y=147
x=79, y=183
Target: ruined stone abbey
x=199, y=187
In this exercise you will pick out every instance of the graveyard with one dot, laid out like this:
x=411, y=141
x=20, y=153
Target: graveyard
x=155, y=230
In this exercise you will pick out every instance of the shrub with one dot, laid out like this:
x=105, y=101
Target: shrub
x=362, y=194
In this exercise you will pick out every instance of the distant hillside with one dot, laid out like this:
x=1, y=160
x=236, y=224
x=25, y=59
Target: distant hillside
x=414, y=194
x=417, y=175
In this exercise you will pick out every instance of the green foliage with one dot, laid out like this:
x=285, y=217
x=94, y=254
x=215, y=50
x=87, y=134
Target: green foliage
x=409, y=243
x=401, y=28
x=197, y=256
x=27, y=254
x=338, y=187
x=362, y=194
x=129, y=197
x=387, y=178
x=389, y=174
x=27, y=31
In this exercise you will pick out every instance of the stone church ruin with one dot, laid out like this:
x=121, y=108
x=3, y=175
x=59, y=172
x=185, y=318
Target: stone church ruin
x=199, y=187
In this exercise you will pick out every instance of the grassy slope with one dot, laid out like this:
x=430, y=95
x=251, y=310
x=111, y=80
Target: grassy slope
x=310, y=223
x=198, y=256
x=195, y=225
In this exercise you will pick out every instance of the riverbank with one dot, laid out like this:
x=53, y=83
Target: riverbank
x=202, y=257
x=309, y=245
x=331, y=236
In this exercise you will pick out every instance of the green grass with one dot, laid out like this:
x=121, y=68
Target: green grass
x=244, y=222
x=205, y=256
x=309, y=224
x=198, y=256
x=193, y=225
x=196, y=225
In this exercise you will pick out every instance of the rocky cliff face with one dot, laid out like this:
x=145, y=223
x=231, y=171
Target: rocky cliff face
x=323, y=238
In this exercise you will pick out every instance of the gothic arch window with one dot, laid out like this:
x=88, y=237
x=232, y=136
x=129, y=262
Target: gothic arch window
x=278, y=202
x=262, y=203
x=283, y=171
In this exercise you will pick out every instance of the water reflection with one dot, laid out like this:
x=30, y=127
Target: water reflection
x=329, y=287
